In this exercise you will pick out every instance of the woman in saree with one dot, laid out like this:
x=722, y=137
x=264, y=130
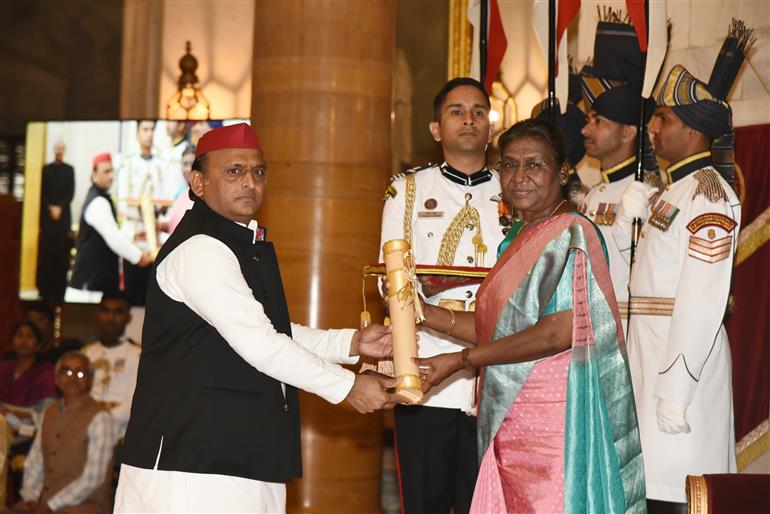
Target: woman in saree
x=557, y=428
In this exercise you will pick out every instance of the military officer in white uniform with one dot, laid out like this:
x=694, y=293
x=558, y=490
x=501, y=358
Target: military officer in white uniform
x=678, y=349
x=449, y=212
x=115, y=359
x=612, y=94
x=610, y=135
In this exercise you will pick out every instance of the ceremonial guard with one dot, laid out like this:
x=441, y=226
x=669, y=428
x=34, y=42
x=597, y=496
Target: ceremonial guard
x=678, y=348
x=612, y=93
x=115, y=360
x=142, y=190
x=450, y=216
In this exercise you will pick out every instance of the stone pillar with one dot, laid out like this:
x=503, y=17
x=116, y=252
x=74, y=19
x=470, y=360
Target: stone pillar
x=321, y=105
x=142, y=59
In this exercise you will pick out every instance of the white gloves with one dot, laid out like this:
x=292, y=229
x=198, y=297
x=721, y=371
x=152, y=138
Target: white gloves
x=672, y=417
x=635, y=203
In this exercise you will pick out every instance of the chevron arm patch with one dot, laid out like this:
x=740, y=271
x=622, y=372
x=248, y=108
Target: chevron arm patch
x=710, y=251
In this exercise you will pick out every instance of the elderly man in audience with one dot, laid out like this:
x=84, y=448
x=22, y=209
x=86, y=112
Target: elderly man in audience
x=69, y=464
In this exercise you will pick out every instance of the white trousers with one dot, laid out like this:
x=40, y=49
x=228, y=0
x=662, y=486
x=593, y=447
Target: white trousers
x=150, y=490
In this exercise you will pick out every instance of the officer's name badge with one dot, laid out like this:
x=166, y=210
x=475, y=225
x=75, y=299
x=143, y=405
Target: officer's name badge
x=662, y=215
x=710, y=249
x=606, y=213
x=430, y=214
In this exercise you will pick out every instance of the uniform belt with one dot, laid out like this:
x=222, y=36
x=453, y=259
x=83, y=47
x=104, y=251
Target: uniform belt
x=648, y=306
x=457, y=305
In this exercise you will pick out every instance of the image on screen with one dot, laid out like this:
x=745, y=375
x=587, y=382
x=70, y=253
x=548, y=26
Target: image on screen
x=100, y=199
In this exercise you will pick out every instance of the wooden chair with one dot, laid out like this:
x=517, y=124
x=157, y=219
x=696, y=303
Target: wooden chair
x=733, y=493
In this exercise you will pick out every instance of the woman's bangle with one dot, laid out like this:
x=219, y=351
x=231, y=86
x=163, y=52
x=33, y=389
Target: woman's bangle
x=465, y=355
x=451, y=323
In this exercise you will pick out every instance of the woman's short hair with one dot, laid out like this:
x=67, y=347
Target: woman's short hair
x=35, y=331
x=540, y=129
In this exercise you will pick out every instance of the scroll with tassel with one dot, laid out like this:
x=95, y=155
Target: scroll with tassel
x=405, y=313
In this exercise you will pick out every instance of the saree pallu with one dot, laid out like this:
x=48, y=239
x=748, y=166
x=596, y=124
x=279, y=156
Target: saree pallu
x=559, y=433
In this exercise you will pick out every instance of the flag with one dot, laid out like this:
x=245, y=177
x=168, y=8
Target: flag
x=496, y=41
x=566, y=10
x=649, y=19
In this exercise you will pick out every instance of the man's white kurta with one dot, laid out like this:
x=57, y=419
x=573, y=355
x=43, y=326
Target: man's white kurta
x=204, y=274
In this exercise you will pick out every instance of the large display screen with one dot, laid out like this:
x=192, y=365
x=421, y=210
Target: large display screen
x=97, y=196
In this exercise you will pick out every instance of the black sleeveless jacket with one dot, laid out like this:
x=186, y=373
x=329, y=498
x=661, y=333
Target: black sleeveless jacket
x=214, y=412
x=96, y=266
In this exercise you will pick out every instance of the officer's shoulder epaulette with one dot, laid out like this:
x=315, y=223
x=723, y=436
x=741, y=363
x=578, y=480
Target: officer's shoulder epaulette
x=709, y=185
x=391, y=192
x=410, y=171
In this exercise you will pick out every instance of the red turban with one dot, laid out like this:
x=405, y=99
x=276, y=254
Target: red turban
x=102, y=157
x=240, y=135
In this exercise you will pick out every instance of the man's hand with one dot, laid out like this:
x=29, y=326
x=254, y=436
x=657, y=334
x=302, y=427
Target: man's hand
x=145, y=260
x=672, y=417
x=55, y=212
x=434, y=370
x=372, y=341
x=368, y=393
x=635, y=203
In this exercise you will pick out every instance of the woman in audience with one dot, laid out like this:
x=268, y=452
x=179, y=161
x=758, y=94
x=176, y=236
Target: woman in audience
x=25, y=380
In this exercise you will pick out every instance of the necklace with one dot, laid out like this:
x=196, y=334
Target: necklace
x=525, y=222
x=556, y=208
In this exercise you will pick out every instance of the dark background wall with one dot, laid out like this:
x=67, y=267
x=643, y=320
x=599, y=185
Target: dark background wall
x=422, y=28
x=59, y=60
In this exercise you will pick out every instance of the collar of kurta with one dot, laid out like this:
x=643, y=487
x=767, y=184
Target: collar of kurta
x=620, y=171
x=232, y=229
x=458, y=177
x=688, y=165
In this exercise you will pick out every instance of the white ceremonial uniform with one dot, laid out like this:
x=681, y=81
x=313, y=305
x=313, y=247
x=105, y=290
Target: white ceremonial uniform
x=115, y=370
x=439, y=198
x=136, y=176
x=601, y=205
x=677, y=347
x=225, y=301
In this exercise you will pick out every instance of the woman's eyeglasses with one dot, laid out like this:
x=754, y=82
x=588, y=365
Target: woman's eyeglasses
x=528, y=167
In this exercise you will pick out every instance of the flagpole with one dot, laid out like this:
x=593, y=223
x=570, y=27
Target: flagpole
x=552, y=61
x=636, y=227
x=483, y=34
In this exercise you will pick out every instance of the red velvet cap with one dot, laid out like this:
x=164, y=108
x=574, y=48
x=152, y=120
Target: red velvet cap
x=102, y=157
x=240, y=135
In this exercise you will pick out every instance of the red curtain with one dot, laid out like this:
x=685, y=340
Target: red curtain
x=10, y=235
x=748, y=326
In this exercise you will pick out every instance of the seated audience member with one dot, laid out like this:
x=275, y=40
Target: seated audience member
x=68, y=467
x=115, y=360
x=25, y=380
x=42, y=315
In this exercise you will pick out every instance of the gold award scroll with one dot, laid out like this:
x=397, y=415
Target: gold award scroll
x=404, y=313
x=150, y=228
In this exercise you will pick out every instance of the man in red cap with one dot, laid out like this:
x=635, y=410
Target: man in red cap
x=214, y=423
x=100, y=242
